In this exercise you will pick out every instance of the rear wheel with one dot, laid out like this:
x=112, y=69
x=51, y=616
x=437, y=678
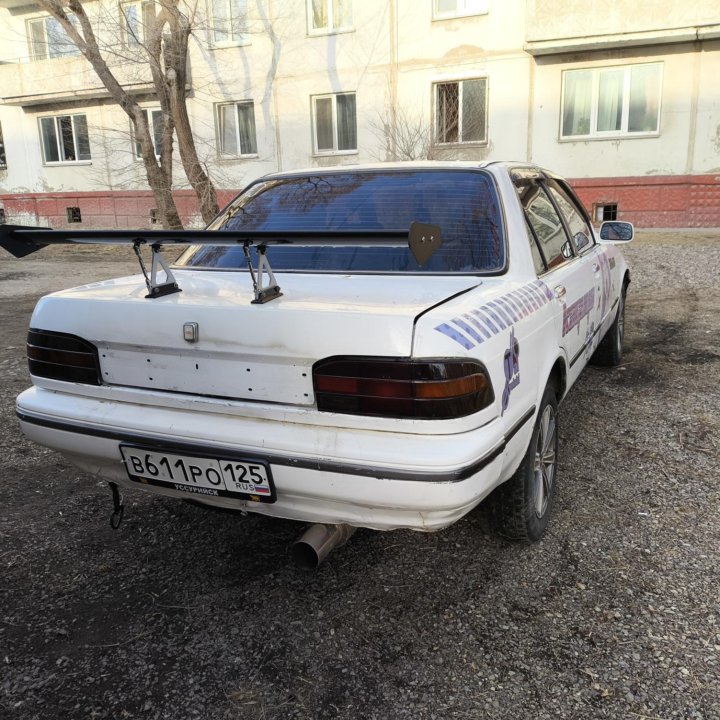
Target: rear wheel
x=609, y=352
x=520, y=508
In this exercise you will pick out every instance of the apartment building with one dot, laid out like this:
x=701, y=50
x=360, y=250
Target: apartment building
x=620, y=97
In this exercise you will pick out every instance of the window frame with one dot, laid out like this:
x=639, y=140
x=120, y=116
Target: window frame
x=460, y=82
x=623, y=133
x=149, y=112
x=335, y=150
x=58, y=135
x=218, y=130
x=125, y=32
x=74, y=51
x=461, y=13
x=244, y=38
x=331, y=28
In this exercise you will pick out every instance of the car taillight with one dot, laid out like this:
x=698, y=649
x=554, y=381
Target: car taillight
x=399, y=388
x=60, y=356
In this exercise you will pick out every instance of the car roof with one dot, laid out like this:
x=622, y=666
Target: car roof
x=388, y=166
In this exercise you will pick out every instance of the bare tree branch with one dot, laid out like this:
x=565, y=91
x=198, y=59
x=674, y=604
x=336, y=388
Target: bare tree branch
x=164, y=51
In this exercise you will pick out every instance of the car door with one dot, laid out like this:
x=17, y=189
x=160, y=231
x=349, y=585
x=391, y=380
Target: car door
x=568, y=271
x=592, y=255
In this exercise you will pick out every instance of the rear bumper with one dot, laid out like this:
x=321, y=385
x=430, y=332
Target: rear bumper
x=364, y=478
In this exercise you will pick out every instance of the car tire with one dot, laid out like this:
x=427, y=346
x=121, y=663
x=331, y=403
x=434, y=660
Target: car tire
x=520, y=508
x=609, y=352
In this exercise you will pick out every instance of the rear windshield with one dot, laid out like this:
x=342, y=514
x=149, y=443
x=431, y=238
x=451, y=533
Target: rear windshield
x=463, y=204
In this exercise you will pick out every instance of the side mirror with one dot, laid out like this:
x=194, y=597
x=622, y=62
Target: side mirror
x=616, y=231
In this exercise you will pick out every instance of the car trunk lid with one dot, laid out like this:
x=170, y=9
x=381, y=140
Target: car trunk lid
x=262, y=352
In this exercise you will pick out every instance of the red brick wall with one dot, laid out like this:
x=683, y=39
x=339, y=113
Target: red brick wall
x=118, y=209
x=679, y=201
x=671, y=201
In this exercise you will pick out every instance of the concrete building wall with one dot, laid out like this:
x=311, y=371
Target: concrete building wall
x=391, y=58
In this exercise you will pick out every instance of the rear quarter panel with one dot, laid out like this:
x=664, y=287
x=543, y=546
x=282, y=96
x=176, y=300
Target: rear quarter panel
x=507, y=325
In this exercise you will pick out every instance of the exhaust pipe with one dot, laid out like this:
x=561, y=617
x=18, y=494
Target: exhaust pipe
x=317, y=543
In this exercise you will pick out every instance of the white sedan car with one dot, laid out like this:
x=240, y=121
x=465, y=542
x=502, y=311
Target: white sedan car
x=381, y=346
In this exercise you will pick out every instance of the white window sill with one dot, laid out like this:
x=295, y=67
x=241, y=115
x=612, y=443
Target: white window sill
x=439, y=18
x=334, y=153
x=228, y=44
x=236, y=158
x=614, y=136
x=460, y=144
x=68, y=163
x=322, y=32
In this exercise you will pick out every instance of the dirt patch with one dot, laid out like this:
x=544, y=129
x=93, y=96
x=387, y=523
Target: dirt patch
x=185, y=613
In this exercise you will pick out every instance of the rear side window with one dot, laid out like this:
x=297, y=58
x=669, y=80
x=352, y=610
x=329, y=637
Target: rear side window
x=579, y=229
x=546, y=223
x=464, y=204
x=538, y=261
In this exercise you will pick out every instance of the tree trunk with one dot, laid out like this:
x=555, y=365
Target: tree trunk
x=159, y=180
x=175, y=50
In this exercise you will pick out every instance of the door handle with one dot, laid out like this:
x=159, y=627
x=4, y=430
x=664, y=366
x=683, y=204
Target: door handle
x=596, y=268
x=560, y=291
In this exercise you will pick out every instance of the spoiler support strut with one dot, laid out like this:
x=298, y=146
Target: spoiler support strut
x=156, y=289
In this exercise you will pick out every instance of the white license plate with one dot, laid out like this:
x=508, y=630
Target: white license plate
x=214, y=477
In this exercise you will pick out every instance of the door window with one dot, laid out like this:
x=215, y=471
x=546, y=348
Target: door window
x=579, y=229
x=545, y=222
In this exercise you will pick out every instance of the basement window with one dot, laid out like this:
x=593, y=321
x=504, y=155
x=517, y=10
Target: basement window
x=73, y=215
x=605, y=211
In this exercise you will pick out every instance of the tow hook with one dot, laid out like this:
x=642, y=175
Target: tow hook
x=118, y=507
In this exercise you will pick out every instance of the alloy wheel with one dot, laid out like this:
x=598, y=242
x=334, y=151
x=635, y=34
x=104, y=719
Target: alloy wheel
x=545, y=461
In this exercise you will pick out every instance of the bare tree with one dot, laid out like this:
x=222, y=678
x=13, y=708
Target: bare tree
x=164, y=48
x=404, y=137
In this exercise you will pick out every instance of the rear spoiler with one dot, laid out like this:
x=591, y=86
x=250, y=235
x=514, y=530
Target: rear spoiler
x=21, y=240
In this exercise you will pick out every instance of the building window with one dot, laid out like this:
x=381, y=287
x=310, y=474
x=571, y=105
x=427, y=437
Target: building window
x=458, y=8
x=604, y=212
x=73, y=214
x=3, y=159
x=461, y=111
x=335, y=123
x=48, y=39
x=236, y=129
x=611, y=102
x=155, y=123
x=326, y=16
x=228, y=21
x=64, y=138
x=135, y=16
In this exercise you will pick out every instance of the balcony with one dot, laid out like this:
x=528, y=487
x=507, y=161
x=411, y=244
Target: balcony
x=556, y=26
x=65, y=80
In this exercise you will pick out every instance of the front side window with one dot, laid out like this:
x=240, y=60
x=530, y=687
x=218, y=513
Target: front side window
x=461, y=111
x=236, y=129
x=335, y=123
x=64, y=138
x=458, y=8
x=325, y=16
x=135, y=17
x=611, y=102
x=155, y=123
x=464, y=204
x=48, y=39
x=228, y=21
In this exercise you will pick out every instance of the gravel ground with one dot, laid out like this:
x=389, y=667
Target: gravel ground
x=186, y=613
